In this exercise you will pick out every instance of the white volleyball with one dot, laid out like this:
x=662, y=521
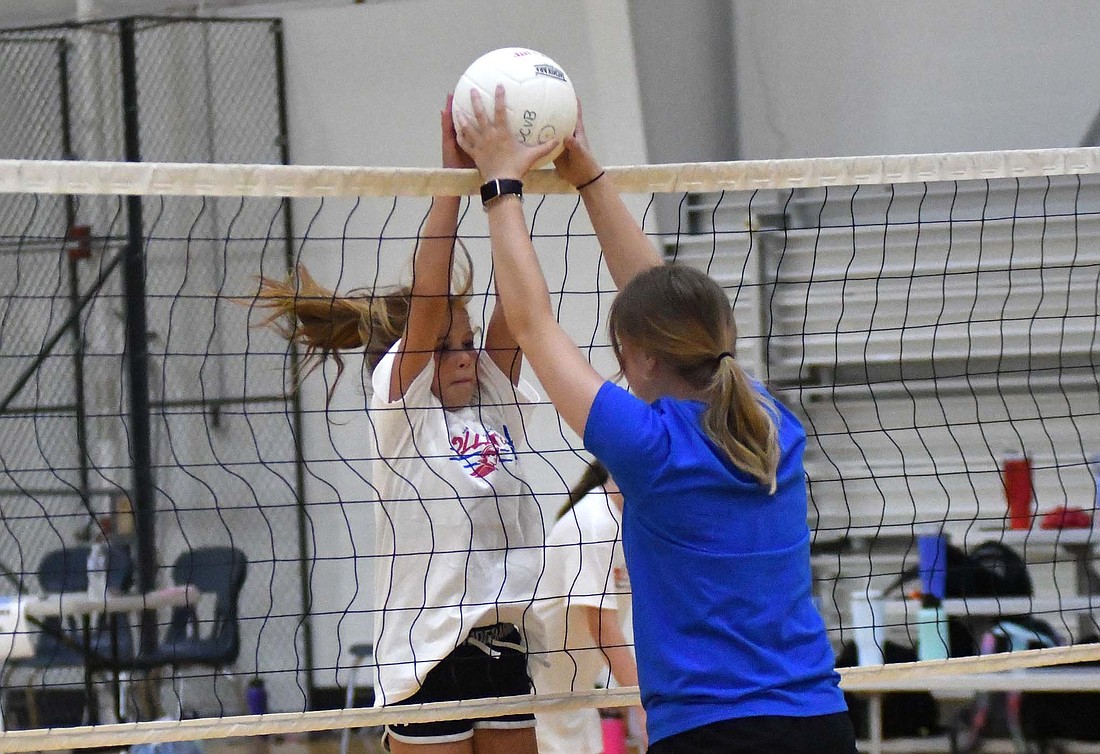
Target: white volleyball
x=542, y=105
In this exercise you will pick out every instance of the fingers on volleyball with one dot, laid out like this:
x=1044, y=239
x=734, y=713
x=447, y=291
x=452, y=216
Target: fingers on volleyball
x=462, y=133
x=578, y=130
x=500, y=103
x=481, y=118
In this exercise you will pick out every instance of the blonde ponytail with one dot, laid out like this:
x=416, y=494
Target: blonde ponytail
x=741, y=421
x=324, y=324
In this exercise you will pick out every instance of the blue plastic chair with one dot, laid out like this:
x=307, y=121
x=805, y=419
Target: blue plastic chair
x=63, y=570
x=217, y=572
x=61, y=642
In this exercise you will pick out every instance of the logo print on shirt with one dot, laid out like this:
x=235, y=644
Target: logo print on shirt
x=482, y=454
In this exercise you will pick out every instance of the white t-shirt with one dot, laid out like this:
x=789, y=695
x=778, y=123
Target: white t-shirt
x=584, y=568
x=459, y=536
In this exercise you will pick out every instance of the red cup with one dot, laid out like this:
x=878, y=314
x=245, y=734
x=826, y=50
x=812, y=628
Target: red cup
x=1016, y=469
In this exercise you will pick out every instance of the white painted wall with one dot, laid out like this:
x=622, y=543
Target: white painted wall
x=365, y=81
x=846, y=77
x=365, y=85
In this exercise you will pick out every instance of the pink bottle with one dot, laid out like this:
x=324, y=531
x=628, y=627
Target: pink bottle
x=614, y=735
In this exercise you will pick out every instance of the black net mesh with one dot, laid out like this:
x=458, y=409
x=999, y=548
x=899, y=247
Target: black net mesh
x=922, y=333
x=206, y=91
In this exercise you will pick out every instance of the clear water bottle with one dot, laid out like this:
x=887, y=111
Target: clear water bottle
x=97, y=571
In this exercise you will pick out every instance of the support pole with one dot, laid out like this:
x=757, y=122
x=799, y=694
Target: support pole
x=875, y=709
x=304, y=524
x=137, y=350
x=75, y=306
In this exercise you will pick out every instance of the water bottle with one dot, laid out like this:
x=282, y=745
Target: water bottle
x=931, y=630
x=1019, y=492
x=97, y=571
x=614, y=732
x=256, y=697
x=869, y=625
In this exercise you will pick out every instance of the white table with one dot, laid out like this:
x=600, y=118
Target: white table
x=85, y=607
x=80, y=604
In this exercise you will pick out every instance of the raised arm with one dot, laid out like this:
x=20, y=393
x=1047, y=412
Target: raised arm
x=433, y=261
x=565, y=374
x=625, y=245
x=501, y=344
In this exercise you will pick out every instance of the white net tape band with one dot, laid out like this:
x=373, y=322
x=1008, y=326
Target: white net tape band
x=157, y=731
x=182, y=179
x=853, y=679
x=872, y=679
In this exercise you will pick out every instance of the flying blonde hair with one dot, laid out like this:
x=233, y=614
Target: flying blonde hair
x=325, y=324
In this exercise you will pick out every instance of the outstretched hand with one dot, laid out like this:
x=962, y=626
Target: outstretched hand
x=453, y=156
x=490, y=142
x=576, y=164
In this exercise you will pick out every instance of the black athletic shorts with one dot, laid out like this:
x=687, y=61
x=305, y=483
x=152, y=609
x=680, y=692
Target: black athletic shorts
x=770, y=734
x=491, y=662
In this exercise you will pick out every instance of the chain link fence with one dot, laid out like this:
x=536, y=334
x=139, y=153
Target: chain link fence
x=223, y=456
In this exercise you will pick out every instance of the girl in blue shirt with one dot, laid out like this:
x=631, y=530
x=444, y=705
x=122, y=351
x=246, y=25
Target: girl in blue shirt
x=732, y=654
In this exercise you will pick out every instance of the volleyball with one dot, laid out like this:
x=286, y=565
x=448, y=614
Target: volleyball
x=541, y=102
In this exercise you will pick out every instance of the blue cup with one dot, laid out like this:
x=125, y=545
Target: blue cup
x=932, y=549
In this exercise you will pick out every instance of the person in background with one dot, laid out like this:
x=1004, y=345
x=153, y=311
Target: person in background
x=582, y=606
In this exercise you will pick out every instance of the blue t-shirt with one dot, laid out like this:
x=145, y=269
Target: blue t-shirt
x=724, y=622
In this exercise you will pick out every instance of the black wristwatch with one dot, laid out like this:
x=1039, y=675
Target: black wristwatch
x=498, y=187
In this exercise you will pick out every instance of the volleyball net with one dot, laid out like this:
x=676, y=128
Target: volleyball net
x=931, y=319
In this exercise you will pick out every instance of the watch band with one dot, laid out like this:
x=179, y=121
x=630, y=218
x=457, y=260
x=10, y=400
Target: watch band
x=498, y=187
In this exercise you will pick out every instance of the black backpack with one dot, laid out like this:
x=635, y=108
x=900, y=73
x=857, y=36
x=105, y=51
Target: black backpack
x=1073, y=715
x=993, y=569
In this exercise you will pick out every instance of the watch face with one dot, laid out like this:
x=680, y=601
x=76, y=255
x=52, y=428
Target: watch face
x=490, y=190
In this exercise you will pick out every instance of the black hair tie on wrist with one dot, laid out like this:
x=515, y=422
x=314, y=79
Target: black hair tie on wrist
x=590, y=181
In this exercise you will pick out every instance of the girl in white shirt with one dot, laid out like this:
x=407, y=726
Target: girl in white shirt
x=583, y=609
x=458, y=523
